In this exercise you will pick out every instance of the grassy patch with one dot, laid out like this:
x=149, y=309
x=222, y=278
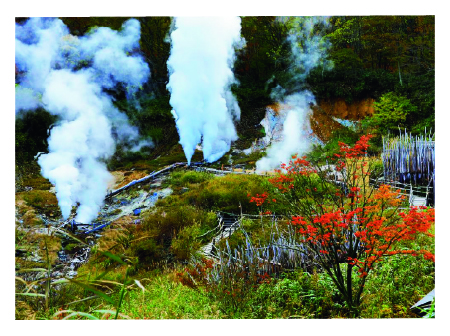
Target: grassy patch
x=44, y=201
x=31, y=219
x=183, y=178
x=166, y=234
x=227, y=193
x=165, y=298
x=37, y=182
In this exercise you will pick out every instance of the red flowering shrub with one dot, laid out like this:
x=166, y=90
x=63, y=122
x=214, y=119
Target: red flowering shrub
x=344, y=222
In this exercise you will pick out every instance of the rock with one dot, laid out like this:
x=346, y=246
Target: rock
x=57, y=274
x=71, y=274
x=62, y=256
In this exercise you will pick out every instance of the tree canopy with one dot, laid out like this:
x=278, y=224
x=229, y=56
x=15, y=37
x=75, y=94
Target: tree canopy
x=371, y=56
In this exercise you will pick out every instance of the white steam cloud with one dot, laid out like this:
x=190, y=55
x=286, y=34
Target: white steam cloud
x=66, y=75
x=308, y=51
x=294, y=133
x=200, y=66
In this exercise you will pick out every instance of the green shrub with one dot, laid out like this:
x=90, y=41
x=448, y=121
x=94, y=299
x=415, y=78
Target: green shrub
x=165, y=223
x=183, y=178
x=297, y=294
x=168, y=232
x=350, y=84
x=186, y=242
x=391, y=112
x=400, y=281
x=377, y=169
x=147, y=251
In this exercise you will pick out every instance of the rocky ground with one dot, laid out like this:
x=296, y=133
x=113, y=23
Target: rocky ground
x=34, y=227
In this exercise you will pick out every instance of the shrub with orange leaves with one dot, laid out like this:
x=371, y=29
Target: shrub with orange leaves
x=344, y=222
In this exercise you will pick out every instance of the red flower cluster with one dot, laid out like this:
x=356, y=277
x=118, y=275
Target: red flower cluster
x=347, y=152
x=359, y=149
x=259, y=199
x=280, y=182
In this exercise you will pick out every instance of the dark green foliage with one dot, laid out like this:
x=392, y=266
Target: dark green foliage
x=264, y=58
x=377, y=170
x=156, y=50
x=373, y=55
x=79, y=26
x=147, y=251
x=186, y=243
x=168, y=222
x=420, y=89
x=296, y=294
x=350, y=85
x=404, y=279
x=31, y=133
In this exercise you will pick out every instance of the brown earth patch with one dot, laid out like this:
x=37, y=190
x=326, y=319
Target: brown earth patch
x=321, y=120
x=339, y=108
x=121, y=178
x=322, y=124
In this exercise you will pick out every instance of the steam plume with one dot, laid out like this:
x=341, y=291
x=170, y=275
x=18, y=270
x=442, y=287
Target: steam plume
x=308, y=50
x=66, y=75
x=200, y=65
